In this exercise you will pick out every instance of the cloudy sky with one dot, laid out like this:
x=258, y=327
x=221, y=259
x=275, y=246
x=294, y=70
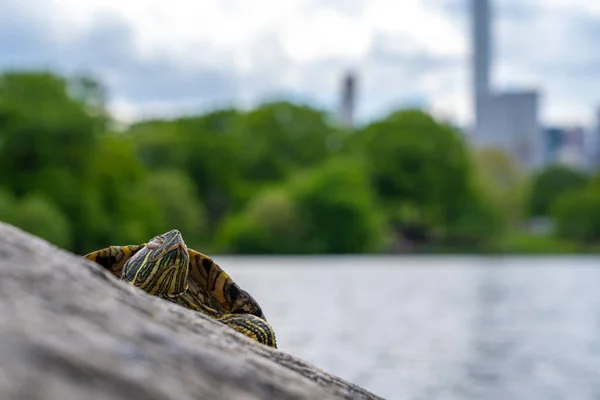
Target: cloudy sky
x=177, y=56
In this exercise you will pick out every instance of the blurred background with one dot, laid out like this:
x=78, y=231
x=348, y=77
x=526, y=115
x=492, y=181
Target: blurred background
x=410, y=189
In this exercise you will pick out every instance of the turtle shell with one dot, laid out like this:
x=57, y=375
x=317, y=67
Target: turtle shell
x=206, y=280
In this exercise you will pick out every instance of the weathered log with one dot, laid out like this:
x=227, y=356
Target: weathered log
x=70, y=330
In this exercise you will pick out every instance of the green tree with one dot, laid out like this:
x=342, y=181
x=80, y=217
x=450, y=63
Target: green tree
x=422, y=173
x=270, y=224
x=276, y=138
x=343, y=215
x=181, y=207
x=231, y=155
x=577, y=214
x=203, y=147
x=41, y=126
x=327, y=209
x=37, y=215
x=501, y=184
x=477, y=226
x=276, y=179
x=49, y=128
x=116, y=203
x=551, y=183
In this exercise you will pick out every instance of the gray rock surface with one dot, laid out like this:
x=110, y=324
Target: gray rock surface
x=69, y=330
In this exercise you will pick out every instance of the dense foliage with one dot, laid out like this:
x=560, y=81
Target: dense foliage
x=550, y=184
x=280, y=179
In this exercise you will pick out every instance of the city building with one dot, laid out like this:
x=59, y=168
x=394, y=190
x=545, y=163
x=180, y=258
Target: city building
x=594, y=142
x=508, y=121
x=554, y=138
x=571, y=153
x=481, y=54
x=348, y=100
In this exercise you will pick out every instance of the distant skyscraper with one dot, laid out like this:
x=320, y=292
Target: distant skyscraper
x=571, y=153
x=508, y=121
x=348, y=100
x=481, y=52
x=595, y=141
x=554, y=138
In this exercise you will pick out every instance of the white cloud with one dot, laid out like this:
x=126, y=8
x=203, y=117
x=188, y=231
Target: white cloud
x=326, y=33
x=428, y=28
x=176, y=27
x=403, y=50
x=592, y=7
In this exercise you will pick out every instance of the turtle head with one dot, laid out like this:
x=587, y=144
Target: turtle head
x=161, y=267
x=244, y=303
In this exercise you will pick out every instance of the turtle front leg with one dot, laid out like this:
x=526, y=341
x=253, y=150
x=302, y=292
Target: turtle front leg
x=252, y=326
x=113, y=258
x=247, y=324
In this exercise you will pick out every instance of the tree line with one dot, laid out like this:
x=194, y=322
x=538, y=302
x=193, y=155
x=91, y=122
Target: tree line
x=281, y=178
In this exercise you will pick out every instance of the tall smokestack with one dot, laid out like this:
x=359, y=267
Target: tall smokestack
x=348, y=98
x=481, y=52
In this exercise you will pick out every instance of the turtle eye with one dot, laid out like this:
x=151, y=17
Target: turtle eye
x=156, y=242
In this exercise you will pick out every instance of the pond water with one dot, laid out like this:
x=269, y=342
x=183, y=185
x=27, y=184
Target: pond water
x=437, y=327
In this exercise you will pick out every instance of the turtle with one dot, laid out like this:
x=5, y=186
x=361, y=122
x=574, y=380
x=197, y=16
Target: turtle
x=165, y=267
